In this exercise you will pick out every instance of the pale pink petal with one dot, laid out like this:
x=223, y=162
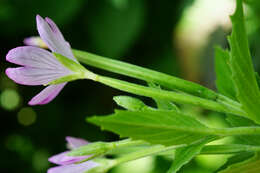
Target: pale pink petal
x=63, y=159
x=47, y=94
x=74, y=168
x=52, y=36
x=34, y=76
x=35, y=41
x=54, y=28
x=30, y=56
x=75, y=142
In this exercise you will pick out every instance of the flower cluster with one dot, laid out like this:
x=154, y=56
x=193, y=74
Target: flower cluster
x=39, y=66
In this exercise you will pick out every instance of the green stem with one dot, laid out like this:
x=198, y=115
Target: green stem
x=208, y=149
x=229, y=149
x=167, y=95
x=144, y=74
x=144, y=153
x=99, y=148
x=126, y=143
x=252, y=130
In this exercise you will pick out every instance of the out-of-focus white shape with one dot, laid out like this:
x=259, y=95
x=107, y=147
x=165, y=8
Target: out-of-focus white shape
x=203, y=17
x=192, y=33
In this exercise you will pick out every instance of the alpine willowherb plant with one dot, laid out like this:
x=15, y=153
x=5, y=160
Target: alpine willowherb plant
x=151, y=130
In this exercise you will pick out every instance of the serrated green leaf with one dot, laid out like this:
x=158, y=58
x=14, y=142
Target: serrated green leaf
x=242, y=67
x=224, y=79
x=251, y=165
x=130, y=103
x=157, y=127
x=185, y=154
x=226, y=87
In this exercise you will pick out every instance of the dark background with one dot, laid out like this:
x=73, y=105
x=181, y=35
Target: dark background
x=137, y=31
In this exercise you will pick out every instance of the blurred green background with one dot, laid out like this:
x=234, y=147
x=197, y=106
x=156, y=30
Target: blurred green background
x=172, y=36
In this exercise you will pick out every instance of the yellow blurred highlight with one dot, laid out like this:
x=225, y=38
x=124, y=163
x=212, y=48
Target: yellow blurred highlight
x=9, y=99
x=26, y=116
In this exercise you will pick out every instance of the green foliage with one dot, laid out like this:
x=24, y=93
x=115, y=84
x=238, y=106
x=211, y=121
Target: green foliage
x=113, y=30
x=236, y=79
x=236, y=121
x=145, y=74
x=157, y=127
x=159, y=131
x=224, y=80
x=185, y=154
x=237, y=159
x=130, y=103
x=250, y=165
x=228, y=83
x=242, y=68
x=163, y=104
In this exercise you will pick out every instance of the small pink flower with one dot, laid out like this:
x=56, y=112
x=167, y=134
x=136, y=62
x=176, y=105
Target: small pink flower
x=40, y=66
x=67, y=162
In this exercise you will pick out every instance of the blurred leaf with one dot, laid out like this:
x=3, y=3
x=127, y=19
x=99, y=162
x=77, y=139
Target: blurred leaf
x=6, y=11
x=236, y=159
x=21, y=14
x=114, y=30
x=257, y=78
x=120, y=4
x=252, y=165
x=185, y=154
x=157, y=127
x=242, y=68
x=224, y=81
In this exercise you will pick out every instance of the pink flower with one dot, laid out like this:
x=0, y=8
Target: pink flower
x=40, y=66
x=67, y=162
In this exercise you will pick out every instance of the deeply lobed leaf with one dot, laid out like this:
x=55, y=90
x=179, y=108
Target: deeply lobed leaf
x=242, y=67
x=224, y=81
x=157, y=127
